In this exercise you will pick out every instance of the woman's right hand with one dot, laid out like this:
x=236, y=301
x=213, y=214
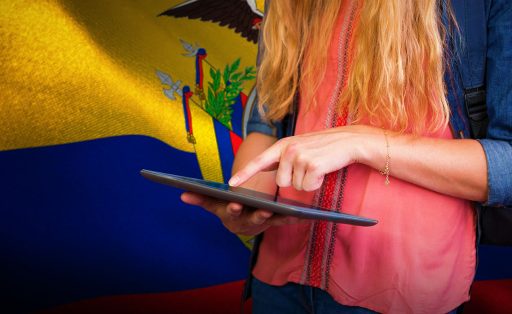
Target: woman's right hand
x=234, y=216
x=237, y=219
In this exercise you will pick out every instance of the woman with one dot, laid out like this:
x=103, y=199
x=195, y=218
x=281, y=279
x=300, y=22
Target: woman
x=373, y=139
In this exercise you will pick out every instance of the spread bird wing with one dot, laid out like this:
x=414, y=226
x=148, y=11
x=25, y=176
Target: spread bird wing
x=235, y=14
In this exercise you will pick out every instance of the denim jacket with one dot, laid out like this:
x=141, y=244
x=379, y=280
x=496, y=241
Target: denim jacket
x=498, y=78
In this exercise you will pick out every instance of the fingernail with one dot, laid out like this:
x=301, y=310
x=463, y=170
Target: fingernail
x=235, y=211
x=234, y=180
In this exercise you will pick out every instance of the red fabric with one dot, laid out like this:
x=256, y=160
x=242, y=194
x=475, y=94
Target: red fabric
x=320, y=232
x=200, y=69
x=236, y=141
x=243, y=98
x=223, y=299
x=490, y=296
x=189, y=115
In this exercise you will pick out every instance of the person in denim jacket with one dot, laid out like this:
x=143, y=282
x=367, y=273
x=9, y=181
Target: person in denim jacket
x=442, y=170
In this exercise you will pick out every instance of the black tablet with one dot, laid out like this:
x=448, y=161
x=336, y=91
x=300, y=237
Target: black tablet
x=254, y=199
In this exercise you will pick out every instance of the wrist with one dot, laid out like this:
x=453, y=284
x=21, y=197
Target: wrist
x=371, y=150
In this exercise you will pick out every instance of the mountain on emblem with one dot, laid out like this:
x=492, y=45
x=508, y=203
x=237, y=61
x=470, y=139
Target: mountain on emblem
x=240, y=15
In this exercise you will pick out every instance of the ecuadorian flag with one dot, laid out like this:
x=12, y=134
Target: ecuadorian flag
x=94, y=91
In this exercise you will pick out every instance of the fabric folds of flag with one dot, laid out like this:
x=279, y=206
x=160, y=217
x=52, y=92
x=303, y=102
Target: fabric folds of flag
x=94, y=91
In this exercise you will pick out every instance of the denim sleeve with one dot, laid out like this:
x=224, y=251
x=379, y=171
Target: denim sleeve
x=498, y=144
x=257, y=124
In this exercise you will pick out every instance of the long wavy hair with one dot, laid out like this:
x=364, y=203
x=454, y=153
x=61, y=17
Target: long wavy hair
x=396, y=74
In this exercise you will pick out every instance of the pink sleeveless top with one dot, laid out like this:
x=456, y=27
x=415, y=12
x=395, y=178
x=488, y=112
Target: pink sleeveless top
x=419, y=258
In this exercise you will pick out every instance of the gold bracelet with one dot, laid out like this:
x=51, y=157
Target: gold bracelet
x=385, y=171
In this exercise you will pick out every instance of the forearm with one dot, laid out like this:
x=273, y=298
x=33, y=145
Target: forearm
x=449, y=166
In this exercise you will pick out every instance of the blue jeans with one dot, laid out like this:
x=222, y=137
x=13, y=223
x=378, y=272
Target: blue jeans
x=293, y=298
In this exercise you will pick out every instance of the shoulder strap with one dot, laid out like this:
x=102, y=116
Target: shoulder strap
x=471, y=17
x=290, y=120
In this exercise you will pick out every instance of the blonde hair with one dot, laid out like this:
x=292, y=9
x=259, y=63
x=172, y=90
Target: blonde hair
x=397, y=68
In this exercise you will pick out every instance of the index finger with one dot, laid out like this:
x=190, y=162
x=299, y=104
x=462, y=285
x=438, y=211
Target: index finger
x=265, y=161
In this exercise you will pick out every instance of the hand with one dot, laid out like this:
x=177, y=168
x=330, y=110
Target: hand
x=304, y=160
x=237, y=219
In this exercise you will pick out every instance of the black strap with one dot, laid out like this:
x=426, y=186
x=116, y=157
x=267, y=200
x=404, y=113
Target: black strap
x=476, y=110
x=247, y=292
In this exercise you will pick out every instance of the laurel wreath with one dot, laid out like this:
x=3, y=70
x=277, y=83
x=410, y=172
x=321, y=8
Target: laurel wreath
x=224, y=90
